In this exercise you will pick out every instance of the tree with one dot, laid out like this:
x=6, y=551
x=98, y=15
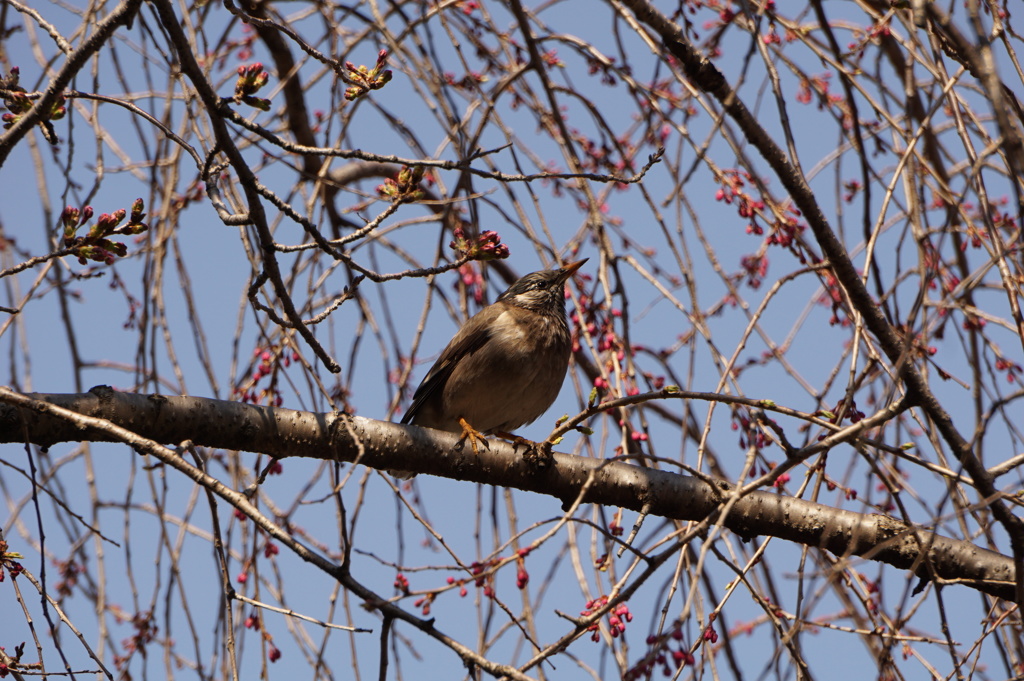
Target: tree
x=794, y=404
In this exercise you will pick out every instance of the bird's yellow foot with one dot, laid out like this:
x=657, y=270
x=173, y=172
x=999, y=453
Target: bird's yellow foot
x=473, y=435
x=537, y=454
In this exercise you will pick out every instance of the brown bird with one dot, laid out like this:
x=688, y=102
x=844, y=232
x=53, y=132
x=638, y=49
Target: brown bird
x=504, y=367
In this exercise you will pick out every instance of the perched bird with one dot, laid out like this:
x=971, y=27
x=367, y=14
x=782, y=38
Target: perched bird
x=504, y=367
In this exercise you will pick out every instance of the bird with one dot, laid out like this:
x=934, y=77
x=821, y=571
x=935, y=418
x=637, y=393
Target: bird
x=504, y=367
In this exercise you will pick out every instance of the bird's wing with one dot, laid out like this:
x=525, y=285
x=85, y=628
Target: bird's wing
x=473, y=335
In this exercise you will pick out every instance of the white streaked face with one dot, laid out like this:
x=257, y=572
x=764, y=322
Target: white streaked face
x=538, y=290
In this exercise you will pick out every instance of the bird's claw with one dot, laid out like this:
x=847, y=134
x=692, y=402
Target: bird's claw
x=537, y=455
x=473, y=435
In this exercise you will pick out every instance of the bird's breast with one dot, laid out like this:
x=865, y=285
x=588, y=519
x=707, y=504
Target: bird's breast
x=514, y=377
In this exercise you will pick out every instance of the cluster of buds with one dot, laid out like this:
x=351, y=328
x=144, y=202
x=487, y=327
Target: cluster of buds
x=9, y=561
x=472, y=278
x=251, y=79
x=269, y=359
x=483, y=574
x=617, y=618
x=462, y=586
x=267, y=363
x=833, y=296
x=361, y=79
x=615, y=526
x=96, y=244
x=424, y=602
x=402, y=583
x=253, y=620
x=18, y=103
x=487, y=246
x=733, y=191
x=871, y=35
x=782, y=221
x=755, y=267
x=973, y=322
x=850, y=412
x=667, y=653
x=254, y=623
x=405, y=188
x=1012, y=369
x=710, y=635
x=522, y=576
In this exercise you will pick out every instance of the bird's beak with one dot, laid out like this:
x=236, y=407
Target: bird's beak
x=568, y=270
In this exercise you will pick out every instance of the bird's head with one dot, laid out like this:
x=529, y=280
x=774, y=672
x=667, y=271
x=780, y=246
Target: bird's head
x=542, y=291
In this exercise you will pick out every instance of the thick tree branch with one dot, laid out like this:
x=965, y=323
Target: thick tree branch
x=287, y=433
